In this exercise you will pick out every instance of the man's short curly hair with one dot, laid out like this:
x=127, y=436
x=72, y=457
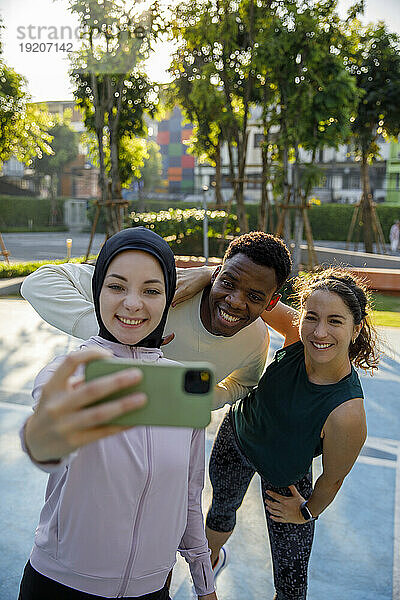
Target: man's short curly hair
x=263, y=249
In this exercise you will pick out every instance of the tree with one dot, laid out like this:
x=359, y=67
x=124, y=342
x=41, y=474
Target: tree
x=313, y=95
x=375, y=64
x=64, y=146
x=220, y=34
x=23, y=126
x=203, y=105
x=110, y=86
x=284, y=56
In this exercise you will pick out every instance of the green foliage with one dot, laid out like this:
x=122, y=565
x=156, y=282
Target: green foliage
x=183, y=229
x=111, y=86
x=299, y=55
x=17, y=211
x=64, y=146
x=133, y=153
x=375, y=65
x=286, y=57
x=23, y=127
x=331, y=222
x=26, y=268
x=385, y=302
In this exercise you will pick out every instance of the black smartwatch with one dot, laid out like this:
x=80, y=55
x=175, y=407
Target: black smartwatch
x=305, y=511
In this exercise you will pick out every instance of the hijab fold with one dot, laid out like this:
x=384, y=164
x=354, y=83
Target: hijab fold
x=136, y=238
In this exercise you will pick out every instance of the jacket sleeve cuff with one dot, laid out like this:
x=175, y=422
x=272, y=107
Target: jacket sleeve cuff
x=48, y=467
x=203, y=576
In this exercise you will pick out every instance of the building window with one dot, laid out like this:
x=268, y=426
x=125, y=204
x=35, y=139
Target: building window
x=254, y=181
x=258, y=140
x=397, y=181
x=351, y=181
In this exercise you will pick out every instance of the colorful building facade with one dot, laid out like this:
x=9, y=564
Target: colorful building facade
x=393, y=173
x=178, y=165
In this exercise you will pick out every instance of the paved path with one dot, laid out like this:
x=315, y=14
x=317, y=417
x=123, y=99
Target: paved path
x=48, y=246
x=356, y=555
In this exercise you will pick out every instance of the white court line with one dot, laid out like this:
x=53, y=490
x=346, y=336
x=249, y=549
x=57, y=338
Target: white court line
x=15, y=406
x=396, y=533
x=393, y=447
x=377, y=462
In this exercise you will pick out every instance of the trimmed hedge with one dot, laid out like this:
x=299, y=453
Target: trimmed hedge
x=138, y=206
x=183, y=229
x=17, y=211
x=331, y=222
x=328, y=221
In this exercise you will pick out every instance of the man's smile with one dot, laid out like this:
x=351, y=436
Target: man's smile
x=228, y=317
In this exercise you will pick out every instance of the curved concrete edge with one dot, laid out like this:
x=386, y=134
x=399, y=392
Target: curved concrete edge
x=11, y=286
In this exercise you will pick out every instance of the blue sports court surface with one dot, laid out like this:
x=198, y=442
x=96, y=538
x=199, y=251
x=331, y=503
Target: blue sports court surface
x=356, y=554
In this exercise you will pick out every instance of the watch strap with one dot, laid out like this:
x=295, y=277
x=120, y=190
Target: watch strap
x=305, y=511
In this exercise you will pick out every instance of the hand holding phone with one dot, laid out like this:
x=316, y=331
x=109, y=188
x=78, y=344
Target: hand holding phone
x=178, y=395
x=68, y=417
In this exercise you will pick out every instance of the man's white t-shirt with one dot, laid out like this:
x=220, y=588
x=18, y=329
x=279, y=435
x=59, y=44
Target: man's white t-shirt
x=62, y=295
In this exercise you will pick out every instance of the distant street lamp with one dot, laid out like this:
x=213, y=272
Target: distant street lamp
x=205, y=224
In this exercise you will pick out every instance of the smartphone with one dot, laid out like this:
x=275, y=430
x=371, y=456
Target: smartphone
x=178, y=395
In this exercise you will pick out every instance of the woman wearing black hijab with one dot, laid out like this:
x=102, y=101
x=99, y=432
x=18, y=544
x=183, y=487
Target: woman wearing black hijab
x=117, y=509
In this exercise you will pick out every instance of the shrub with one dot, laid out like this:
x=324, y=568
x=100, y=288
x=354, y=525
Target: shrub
x=328, y=221
x=26, y=268
x=332, y=221
x=18, y=212
x=183, y=229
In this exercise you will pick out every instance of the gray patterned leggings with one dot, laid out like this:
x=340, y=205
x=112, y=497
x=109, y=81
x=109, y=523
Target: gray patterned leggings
x=230, y=475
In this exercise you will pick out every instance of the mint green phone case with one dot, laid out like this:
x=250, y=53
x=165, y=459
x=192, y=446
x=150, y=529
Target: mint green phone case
x=168, y=403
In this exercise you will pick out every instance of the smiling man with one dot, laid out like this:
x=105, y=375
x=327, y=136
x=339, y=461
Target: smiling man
x=219, y=324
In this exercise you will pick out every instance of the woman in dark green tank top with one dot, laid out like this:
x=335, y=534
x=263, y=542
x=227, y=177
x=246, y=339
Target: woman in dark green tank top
x=309, y=401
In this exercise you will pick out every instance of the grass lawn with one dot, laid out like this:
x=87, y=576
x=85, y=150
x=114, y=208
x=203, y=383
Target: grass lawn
x=387, y=310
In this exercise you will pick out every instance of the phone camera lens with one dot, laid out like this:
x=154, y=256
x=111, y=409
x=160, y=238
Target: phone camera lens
x=197, y=381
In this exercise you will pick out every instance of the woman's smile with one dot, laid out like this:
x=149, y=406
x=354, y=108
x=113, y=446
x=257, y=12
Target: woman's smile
x=320, y=346
x=129, y=322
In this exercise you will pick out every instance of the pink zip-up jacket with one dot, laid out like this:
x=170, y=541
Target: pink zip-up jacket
x=117, y=510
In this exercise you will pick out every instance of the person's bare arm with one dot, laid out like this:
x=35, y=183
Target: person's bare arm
x=345, y=432
x=63, y=422
x=285, y=320
x=190, y=281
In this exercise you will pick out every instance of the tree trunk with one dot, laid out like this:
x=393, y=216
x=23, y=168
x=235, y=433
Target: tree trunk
x=264, y=204
x=218, y=195
x=286, y=196
x=99, y=122
x=298, y=237
x=298, y=220
x=366, y=204
x=241, y=209
x=53, y=204
x=115, y=192
x=228, y=206
x=114, y=112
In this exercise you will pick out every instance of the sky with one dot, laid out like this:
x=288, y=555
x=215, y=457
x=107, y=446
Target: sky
x=48, y=21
